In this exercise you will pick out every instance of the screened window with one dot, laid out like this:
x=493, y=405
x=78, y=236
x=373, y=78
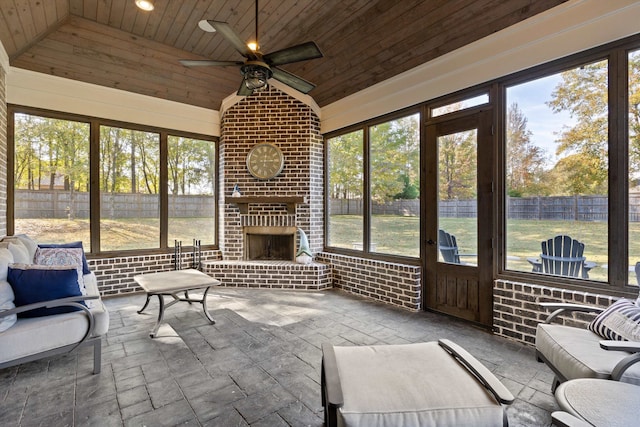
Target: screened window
x=345, y=155
x=192, y=175
x=51, y=179
x=152, y=186
x=129, y=189
x=557, y=163
x=374, y=188
x=395, y=186
x=461, y=105
x=634, y=167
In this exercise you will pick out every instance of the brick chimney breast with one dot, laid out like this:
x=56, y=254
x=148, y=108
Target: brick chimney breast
x=272, y=116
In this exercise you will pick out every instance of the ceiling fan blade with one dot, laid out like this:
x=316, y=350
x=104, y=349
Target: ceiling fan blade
x=206, y=26
x=227, y=32
x=292, y=80
x=301, y=52
x=208, y=62
x=243, y=90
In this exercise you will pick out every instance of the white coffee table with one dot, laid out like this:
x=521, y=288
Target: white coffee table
x=170, y=283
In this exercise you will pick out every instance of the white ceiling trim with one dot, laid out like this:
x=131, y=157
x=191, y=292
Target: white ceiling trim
x=566, y=29
x=32, y=89
x=233, y=99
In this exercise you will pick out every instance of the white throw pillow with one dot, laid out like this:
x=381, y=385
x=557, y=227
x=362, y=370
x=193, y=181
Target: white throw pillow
x=6, y=258
x=6, y=303
x=30, y=244
x=19, y=252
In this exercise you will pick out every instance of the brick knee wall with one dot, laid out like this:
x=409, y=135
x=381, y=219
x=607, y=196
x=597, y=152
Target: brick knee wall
x=115, y=274
x=397, y=284
x=517, y=310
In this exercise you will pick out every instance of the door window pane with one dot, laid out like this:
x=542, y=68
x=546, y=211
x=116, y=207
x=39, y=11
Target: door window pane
x=346, y=168
x=395, y=187
x=51, y=176
x=458, y=197
x=557, y=174
x=129, y=189
x=192, y=173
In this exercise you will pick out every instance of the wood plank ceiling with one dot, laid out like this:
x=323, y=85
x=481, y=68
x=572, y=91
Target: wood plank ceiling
x=114, y=44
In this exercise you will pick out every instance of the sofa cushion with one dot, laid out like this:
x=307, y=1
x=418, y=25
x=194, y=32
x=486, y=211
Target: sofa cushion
x=30, y=336
x=85, y=265
x=6, y=258
x=396, y=385
x=37, y=334
x=37, y=283
x=6, y=303
x=19, y=252
x=620, y=321
x=576, y=353
x=62, y=256
x=28, y=243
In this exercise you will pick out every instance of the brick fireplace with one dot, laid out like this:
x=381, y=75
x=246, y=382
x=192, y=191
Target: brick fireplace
x=291, y=200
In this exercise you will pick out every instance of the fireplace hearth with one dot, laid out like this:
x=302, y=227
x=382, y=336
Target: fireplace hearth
x=269, y=243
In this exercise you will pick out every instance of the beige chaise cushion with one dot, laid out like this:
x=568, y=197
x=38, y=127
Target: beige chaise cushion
x=410, y=385
x=38, y=334
x=576, y=353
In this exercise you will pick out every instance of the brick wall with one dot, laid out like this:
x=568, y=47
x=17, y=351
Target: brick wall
x=270, y=115
x=517, y=311
x=115, y=275
x=396, y=284
x=271, y=275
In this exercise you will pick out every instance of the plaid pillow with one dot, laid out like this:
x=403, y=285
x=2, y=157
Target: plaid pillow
x=621, y=321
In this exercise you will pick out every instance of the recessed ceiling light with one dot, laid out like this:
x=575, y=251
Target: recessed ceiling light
x=145, y=5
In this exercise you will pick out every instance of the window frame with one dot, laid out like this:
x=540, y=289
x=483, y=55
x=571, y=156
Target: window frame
x=94, y=162
x=366, y=193
x=616, y=53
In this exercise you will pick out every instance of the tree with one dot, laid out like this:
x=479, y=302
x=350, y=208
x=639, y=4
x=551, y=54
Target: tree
x=395, y=159
x=634, y=116
x=457, y=168
x=191, y=166
x=583, y=93
x=525, y=160
x=346, y=166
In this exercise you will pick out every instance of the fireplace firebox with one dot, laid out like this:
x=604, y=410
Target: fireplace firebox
x=269, y=243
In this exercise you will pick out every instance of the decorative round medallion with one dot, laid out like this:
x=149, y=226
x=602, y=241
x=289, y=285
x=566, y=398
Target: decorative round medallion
x=265, y=161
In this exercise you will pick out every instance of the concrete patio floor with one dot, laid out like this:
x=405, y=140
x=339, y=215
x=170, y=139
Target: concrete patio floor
x=259, y=365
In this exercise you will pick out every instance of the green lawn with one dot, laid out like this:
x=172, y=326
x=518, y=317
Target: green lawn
x=120, y=234
x=391, y=234
x=400, y=235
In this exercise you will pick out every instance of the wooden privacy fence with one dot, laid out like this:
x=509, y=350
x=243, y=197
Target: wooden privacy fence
x=553, y=208
x=65, y=204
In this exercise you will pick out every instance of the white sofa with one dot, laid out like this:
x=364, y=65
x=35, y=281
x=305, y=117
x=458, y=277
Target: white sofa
x=34, y=338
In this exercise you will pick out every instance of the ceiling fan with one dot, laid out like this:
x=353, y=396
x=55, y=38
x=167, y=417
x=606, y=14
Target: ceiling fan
x=257, y=68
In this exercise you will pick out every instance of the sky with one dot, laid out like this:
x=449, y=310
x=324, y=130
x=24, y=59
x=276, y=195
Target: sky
x=543, y=123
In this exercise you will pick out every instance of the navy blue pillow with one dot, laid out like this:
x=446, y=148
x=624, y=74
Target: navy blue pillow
x=85, y=266
x=34, y=285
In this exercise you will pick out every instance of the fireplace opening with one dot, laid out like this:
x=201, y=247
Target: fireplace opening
x=269, y=243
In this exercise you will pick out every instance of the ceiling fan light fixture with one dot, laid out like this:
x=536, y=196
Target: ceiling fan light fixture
x=253, y=46
x=146, y=5
x=255, y=76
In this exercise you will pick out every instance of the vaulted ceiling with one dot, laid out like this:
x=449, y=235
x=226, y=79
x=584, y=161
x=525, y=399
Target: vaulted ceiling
x=113, y=43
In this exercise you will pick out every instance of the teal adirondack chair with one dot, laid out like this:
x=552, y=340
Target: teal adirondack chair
x=448, y=246
x=562, y=256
